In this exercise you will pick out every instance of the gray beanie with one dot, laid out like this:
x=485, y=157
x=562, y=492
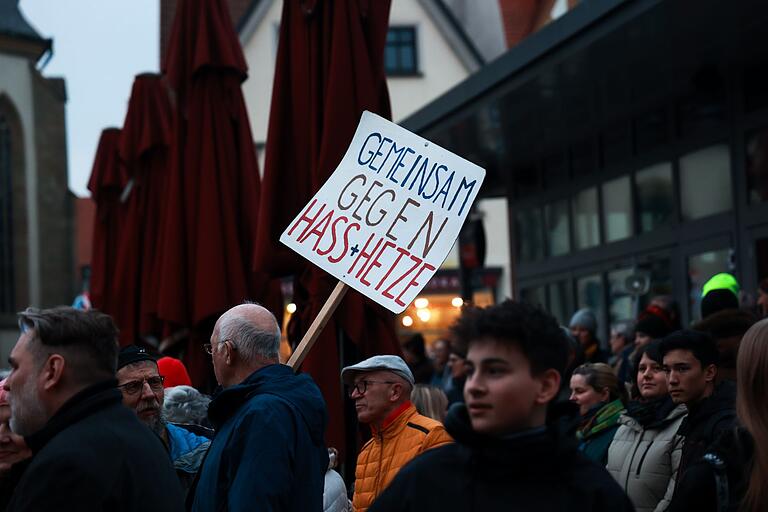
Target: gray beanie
x=584, y=318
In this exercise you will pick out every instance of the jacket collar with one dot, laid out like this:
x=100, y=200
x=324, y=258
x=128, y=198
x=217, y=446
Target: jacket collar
x=84, y=403
x=396, y=421
x=227, y=401
x=537, y=450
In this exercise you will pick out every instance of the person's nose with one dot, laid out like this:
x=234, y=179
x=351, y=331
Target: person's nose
x=572, y=398
x=146, y=391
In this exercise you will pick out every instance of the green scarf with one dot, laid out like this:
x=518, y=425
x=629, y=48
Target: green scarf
x=606, y=417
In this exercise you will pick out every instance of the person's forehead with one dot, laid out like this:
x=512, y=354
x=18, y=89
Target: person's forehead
x=137, y=371
x=578, y=379
x=22, y=346
x=679, y=355
x=484, y=349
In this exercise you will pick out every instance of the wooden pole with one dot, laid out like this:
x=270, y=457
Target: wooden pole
x=310, y=337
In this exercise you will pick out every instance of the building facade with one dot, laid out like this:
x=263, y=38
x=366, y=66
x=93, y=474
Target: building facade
x=630, y=140
x=36, y=251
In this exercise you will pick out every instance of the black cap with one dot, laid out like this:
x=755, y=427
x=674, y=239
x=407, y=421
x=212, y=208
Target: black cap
x=133, y=354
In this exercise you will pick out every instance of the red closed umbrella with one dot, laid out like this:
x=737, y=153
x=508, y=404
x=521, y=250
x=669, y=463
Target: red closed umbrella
x=329, y=69
x=213, y=189
x=144, y=149
x=106, y=184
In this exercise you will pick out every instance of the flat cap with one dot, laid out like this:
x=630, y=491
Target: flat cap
x=394, y=364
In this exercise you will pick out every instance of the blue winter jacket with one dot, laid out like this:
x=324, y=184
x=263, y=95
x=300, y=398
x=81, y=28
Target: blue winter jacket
x=268, y=453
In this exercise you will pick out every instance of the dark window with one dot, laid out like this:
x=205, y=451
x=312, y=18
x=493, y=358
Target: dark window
x=651, y=130
x=6, y=220
x=400, y=52
x=655, y=196
x=529, y=230
x=756, y=85
x=757, y=166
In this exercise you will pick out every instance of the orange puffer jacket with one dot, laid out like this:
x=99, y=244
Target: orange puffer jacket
x=403, y=436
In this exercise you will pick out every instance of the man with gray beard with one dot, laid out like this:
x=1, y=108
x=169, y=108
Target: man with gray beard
x=88, y=451
x=139, y=379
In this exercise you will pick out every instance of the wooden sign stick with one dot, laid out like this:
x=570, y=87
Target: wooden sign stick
x=310, y=337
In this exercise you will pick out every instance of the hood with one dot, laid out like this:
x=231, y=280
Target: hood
x=727, y=323
x=279, y=380
x=529, y=451
x=723, y=398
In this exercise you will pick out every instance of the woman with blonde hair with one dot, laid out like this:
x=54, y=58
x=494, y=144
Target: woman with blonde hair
x=430, y=401
x=601, y=398
x=737, y=463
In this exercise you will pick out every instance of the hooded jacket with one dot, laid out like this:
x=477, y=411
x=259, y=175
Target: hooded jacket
x=705, y=422
x=697, y=490
x=536, y=470
x=268, y=453
x=644, y=459
x=95, y=454
x=403, y=436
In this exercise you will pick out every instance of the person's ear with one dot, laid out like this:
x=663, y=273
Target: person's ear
x=710, y=372
x=229, y=355
x=605, y=394
x=396, y=392
x=549, y=386
x=53, y=371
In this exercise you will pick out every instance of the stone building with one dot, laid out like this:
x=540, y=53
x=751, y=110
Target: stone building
x=36, y=247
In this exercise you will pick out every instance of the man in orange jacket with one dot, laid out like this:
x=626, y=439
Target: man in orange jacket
x=381, y=388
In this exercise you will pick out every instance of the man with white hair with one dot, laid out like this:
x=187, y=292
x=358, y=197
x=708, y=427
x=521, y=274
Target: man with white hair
x=381, y=388
x=268, y=453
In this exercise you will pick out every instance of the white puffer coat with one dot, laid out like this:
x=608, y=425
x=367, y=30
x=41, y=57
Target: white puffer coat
x=645, y=461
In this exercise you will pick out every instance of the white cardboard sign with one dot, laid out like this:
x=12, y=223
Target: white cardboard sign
x=389, y=214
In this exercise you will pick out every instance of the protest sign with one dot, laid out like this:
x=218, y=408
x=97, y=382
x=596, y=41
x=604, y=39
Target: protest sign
x=385, y=220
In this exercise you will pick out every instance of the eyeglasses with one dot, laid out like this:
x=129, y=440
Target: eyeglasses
x=209, y=347
x=134, y=386
x=362, y=386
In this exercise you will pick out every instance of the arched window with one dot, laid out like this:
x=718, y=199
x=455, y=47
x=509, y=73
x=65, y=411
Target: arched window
x=7, y=292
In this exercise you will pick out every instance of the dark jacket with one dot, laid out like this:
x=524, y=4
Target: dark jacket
x=268, y=453
x=697, y=490
x=95, y=455
x=536, y=470
x=705, y=422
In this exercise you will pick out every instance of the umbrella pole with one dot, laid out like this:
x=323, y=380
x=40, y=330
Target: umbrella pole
x=310, y=337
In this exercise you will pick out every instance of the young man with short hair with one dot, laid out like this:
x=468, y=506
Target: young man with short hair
x=508, y=453
x=691, y=360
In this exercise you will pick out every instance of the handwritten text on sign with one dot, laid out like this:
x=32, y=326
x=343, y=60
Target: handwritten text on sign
x=387, y=217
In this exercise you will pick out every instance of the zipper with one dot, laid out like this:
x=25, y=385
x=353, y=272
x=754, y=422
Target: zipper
x=642, y=459
x=381, y=462
x=629, y=470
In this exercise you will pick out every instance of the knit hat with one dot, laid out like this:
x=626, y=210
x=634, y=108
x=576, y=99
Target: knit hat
x=652, y=325
x=719, y=293
x=133, y=354
x=584, y=318
x=174, y=371
x=722, y=281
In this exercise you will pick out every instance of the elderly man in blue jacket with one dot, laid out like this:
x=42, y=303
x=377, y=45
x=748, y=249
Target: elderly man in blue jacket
x=268, y=453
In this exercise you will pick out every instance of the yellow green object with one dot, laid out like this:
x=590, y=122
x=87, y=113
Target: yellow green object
x=722, y=281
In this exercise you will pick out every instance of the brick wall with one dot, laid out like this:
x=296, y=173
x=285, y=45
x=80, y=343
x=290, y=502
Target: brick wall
x=521, y=18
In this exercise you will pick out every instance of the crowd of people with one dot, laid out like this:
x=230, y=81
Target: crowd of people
x=510, y=409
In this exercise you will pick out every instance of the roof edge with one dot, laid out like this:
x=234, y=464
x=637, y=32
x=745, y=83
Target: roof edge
x=521, y=58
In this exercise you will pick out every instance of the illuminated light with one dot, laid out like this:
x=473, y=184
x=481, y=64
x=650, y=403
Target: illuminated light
x=424, y=315
x=457, y=302
x=291, y=308
x=421, y=303
x=407, y=321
